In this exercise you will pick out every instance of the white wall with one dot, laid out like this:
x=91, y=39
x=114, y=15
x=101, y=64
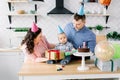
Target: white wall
x=49, y=23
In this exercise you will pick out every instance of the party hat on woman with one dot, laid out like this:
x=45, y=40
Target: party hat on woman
x=34, y=27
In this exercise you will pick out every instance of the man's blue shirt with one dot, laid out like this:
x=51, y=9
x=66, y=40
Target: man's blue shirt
x=78, y=37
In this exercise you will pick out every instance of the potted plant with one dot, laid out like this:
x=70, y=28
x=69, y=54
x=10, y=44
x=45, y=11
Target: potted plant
x=98, y=28
x=20, y=32
x=24, y=29
x=109, y=35
x=113, y=35
x=118, y=36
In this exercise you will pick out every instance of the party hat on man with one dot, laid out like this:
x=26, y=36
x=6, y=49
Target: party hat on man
x=81, y=10
x=60, y=30
x=34, y=27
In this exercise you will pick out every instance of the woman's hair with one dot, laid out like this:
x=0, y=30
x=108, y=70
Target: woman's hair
x=78, y=17
x=29, y=39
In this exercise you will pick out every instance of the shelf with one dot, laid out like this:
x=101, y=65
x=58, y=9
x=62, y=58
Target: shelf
x=16, y=27
x=81, y=2
x=9, y=4
x=89, y=2
x=94, y=15
x=99, y=15
x=103, y=27
x=15, y=14
x=11, y=14
x=21, y=1
x=17, y=1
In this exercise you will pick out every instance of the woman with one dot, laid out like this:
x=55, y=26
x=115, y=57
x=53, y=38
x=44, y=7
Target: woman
x=35, y=44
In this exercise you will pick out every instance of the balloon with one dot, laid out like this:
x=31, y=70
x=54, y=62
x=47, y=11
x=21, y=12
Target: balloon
x=105, y=2
x=104, y=51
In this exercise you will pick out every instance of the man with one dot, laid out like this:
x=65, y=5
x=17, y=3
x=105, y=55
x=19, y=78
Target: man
x=77, y=32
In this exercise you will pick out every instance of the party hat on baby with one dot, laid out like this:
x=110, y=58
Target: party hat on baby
x=60, y=30
x=81, y=10
x=34, y=27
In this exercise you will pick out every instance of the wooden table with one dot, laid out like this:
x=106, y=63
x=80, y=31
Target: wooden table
x=43, y=71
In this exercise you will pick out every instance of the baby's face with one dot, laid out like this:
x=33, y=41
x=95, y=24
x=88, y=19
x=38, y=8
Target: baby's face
x=62, y=38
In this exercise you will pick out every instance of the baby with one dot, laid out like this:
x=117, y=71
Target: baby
x=64, y=46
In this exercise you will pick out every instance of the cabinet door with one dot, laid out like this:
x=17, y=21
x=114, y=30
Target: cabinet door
x=9, y=65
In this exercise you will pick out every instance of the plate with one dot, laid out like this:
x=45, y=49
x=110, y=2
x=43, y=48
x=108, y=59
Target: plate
x=83, y=54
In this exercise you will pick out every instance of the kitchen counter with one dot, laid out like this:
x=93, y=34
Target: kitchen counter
x=43, y=71
x=15, y=49
x=11, y=60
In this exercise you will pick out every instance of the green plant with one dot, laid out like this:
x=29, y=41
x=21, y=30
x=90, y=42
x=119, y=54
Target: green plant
x=24, y=29
x=118, y=36
x=109, y=36
x=32, y=11
x=99, y=27
x=113, y=35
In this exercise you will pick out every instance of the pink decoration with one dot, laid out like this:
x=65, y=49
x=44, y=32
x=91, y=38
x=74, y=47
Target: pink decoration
x=34, y=27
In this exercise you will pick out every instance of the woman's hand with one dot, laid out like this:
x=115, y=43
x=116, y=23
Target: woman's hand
x=41, y=59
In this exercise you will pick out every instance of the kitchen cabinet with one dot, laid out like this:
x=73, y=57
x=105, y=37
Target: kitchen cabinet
x=10, y=64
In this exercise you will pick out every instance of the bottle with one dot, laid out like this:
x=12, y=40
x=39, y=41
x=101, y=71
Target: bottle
x=12, y=8
x=104, y=10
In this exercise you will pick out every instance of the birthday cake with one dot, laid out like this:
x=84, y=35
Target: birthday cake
x=83, y=49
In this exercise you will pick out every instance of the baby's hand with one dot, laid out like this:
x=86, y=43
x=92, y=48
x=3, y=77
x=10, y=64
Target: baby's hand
x=73, y=51
x=41, y=59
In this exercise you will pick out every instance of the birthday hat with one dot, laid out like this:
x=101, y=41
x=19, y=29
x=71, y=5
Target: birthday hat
x=60, y=30
x=81, y=10
x=34, y=27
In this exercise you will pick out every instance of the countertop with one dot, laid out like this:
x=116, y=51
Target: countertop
x=40, y=69
x=14, y=49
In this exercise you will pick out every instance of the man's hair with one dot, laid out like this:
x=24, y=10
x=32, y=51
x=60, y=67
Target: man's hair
x=78, y=17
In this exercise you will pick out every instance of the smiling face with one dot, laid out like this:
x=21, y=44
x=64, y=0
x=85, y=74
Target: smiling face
x=38, y=38
x=62, y=38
